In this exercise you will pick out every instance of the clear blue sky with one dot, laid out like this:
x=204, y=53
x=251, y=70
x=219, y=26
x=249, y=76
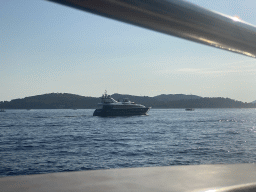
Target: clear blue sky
x=46, y=47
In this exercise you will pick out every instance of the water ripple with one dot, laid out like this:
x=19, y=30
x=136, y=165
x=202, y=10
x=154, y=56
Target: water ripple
x=44, y=141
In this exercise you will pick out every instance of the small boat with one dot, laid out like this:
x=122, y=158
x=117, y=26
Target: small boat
x=111, y=107
x=189, y=109
x=2, y=110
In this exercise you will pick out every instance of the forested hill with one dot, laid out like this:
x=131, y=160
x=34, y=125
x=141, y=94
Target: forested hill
x=52, y=101
x=71, y=101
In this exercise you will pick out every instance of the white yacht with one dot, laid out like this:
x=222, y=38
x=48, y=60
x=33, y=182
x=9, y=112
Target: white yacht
x=110, y=107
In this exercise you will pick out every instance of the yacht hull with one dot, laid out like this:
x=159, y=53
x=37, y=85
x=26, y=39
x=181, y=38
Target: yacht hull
x=121, y=112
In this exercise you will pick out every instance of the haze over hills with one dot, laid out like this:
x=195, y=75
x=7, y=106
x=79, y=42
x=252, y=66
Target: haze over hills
x=71, y=101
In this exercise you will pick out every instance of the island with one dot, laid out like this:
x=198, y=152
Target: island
x=73, y=101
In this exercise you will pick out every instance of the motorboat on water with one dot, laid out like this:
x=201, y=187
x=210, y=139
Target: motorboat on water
x=189, y=109
x=2, y=110
x=110, y=107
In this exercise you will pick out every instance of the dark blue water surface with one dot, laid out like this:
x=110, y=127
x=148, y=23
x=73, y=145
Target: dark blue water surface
x=44, y=141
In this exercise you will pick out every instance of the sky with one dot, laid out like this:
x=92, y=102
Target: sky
x=50, y=48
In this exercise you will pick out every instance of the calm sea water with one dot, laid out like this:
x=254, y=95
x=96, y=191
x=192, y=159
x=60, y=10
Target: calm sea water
x=44, y=141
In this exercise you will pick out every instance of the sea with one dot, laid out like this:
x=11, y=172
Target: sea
x=62, y=140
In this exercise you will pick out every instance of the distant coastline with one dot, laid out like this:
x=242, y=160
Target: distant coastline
x=72, y=101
